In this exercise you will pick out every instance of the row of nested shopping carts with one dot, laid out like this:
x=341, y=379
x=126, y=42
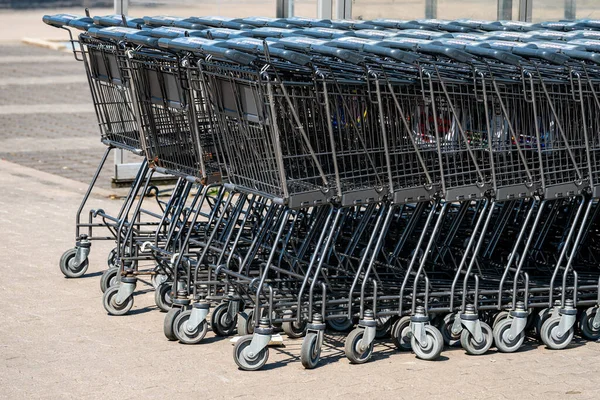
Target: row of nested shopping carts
x=430, y=181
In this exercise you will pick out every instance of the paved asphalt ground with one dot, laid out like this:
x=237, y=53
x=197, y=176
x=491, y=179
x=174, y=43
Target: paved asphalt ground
x=56, y=340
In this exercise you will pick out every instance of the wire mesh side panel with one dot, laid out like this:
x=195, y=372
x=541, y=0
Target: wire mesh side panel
x=513, y=139
x=109, y=84
x=562, y=140
x=412, y=144
x=273, y=137
x=167, y=115
x=460, y=123
x=591, y=109
x=354, y=123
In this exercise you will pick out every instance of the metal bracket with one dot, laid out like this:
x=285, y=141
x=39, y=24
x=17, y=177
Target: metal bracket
x=474, y=327
x=517, y=326
x=259, y=342
x=126, y=289
x=596, y=322
x=198, y=314
x=418, y=331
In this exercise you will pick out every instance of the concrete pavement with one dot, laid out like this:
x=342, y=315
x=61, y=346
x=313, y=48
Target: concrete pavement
x=56, y=340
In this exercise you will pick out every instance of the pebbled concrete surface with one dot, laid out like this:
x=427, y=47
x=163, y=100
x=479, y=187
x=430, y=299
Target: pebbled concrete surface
x=56, y=340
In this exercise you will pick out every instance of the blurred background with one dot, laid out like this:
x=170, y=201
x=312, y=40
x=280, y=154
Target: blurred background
x=535, y=10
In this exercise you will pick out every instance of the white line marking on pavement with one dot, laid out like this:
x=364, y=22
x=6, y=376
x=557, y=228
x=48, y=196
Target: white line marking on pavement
x=46, y=109
x=34, y=59
x=45, y=80
x=16, y=145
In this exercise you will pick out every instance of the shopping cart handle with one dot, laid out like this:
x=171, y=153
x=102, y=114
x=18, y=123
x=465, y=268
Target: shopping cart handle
x=267, y=22
x=549, y=56
x=113, y=32
x=193, y=44
x=399, y=55
x=269, y=32
x=142, y=38
x=223, y=33
x=344, y=55
x=326, y=33
x=171, y=32
x=353, y=25
x=481, y=49
x=426, y=46
x=254, y=45
x=117, y=20
x=502, y=56
x=423, y=34
x=397, y=24
x=589, y=44
x=589, y=23
x=179, y=22
x=309, y=22
x=61, y=20
x=569, y=50
x=373, y=47
x=220, y=22
x=443, y=25
x=229, y=54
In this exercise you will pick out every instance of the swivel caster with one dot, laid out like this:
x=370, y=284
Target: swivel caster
x=310, y=353
x=111, y=261
x=251, y=353
x=384, y=326
x=589, y=323
x=445, y=326
x=74, y=262
x=158, y=279
x=109, y=278
x=557, y=332
x=162, y=296
x=169, y=323
x=118, y=300
x=223, y=321
x=359, y=342
x=181, y=303
x=476, y=336
x=401, y=333
x=293, y=329
x=426, y=340
x=190, y=326
x=245, y=323
x=509, y=333
x=340, y=324
x=538, y=320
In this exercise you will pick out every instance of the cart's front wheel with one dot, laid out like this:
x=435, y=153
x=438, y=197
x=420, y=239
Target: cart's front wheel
x=245, y=323
x=183, y=331
x=401, y=333
x=503, y=343
x=247, y=362
x=221, y=322
x=355, y=352
x=586, y=324
x=468, y=342
x=169, y=323
x=109, y=278
x=550, y=336
x=294, y=329
x=432, y=347
x=310, y=353
x=162, y=296
x=110, y=304
x=68, y=267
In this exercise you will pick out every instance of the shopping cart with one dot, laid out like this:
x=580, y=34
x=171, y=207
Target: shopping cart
x=424, y=180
